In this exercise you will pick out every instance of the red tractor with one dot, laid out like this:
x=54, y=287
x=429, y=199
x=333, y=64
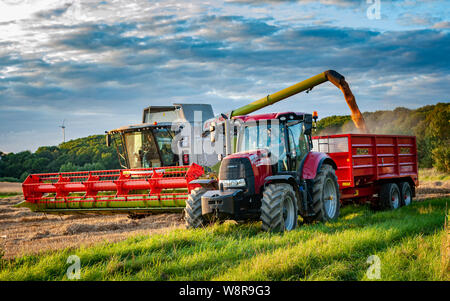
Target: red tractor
x=273, y=176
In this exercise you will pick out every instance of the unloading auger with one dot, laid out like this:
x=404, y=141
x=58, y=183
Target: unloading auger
x=147, y=190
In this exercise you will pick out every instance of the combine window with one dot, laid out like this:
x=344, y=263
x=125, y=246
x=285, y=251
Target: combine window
x=141, y=149
x=150, y=148
x=164, y=139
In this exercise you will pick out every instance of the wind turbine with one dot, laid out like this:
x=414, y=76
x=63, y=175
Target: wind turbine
x=63, y=130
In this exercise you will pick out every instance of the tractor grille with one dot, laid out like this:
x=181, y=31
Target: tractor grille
x=238, y=168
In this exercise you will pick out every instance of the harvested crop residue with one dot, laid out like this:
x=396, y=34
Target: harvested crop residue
x=25, y=232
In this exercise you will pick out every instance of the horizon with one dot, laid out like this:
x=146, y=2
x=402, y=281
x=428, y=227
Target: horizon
x=96, y=64
x=96, y=134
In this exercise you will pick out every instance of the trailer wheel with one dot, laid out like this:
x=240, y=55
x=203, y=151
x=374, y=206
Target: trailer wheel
x=326, y=197
x=279, y=210
x=193, y=211
x=390, y=196
x=406, y=194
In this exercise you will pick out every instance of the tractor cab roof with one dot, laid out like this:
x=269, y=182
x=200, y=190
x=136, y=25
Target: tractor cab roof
x=268, y=116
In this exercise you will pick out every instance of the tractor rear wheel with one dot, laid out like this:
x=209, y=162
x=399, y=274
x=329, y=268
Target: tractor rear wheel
x=326, y=197
x=279, y=210
x=406, y=194
x=193, y=211
x=390, y=196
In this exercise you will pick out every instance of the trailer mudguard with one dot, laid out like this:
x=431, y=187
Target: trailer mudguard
x=313, y=162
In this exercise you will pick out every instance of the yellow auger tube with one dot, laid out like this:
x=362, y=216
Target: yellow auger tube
x=330, y=75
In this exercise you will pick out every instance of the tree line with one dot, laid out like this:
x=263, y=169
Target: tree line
x=89, y=153
x=430, y=124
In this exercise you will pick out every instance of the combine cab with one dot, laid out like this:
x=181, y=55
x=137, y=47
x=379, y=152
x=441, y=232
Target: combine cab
x=158, y=140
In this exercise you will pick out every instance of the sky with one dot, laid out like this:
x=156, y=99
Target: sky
x=97, y=64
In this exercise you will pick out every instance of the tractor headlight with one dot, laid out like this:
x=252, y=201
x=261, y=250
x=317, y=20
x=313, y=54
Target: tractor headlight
x=232, y=183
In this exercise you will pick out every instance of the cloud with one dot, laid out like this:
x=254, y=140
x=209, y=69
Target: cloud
x=52, y=13
x=340, y=3
x=442, y=25
x=417, y=19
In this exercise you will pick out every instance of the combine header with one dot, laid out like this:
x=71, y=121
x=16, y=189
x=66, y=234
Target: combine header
x=143, y=190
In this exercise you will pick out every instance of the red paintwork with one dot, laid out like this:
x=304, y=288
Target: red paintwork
x=122, y=181
x=365, y=160
x=268, y=116
x=260, y=163
x=311, y=164
x=247, y=118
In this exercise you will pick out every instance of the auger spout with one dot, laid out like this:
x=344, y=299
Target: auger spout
x=330, y=75
x=339, y=81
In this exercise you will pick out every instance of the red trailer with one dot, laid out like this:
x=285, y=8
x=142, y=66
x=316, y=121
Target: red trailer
x=369, y=165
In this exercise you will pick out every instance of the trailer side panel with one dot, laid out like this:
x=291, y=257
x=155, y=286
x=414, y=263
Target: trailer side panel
x=367, y=160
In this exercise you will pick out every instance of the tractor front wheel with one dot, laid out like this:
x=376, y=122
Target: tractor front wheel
x=279, y=208
x=193, y=210
x=326, y=197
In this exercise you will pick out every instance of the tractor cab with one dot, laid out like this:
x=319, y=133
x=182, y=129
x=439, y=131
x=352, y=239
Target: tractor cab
x=286, y=137
x=265, y=180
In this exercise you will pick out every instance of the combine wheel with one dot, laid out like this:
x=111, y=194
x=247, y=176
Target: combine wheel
x=193, y=211
x=406, y=194
x=390, y=196
x=279, y=208
x=326, y=198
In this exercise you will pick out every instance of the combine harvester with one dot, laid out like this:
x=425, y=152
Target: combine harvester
x=272, y=180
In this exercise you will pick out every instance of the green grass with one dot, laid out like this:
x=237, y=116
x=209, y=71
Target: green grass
x=408, y=242
x=431, y=174
x=8, y=194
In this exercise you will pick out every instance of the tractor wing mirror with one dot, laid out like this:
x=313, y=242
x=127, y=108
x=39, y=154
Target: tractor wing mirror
x=108, y=140
x=307, y=125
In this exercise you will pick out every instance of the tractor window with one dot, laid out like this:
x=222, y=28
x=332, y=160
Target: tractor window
x=265, y=135
x=260, y=135
x=298, y=144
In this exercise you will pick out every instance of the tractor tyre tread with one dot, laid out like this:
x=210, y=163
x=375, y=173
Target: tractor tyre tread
x=193, y=211
x=317, y=198
x=272, y=206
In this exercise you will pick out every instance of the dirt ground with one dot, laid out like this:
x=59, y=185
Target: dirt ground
x=25, y=232
x=10, y=187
